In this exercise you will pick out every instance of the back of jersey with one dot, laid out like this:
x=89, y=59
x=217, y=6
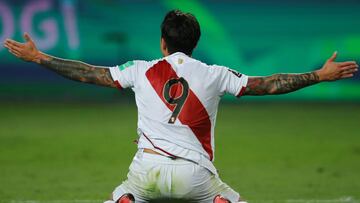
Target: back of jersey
x=177, y=99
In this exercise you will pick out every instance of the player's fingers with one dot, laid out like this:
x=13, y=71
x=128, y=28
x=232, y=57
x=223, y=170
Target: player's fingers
x=9, y=46
x=17, y=54
x=27, y=37
x=350, y=71
x=14, y=51
x=13, y=43
x=347, y=75
x=14, y=48
x=346, y=68
x=5, y=45
x=347, y=63
x=333, y=57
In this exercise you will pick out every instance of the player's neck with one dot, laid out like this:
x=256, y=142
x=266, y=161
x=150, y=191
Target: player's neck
x=166, y=54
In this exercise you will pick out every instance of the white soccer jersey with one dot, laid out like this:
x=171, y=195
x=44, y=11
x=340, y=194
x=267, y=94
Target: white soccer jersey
x=177, y=99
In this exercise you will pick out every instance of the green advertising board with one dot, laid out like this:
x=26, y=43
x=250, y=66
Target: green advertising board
x=253, y=37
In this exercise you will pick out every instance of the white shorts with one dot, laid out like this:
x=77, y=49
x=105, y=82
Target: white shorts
x=152, y=176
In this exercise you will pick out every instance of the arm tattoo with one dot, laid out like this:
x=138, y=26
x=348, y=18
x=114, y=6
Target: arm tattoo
x=280, y=83
x=79, y=71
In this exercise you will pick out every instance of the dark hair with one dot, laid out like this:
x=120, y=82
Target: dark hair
x=181, y=32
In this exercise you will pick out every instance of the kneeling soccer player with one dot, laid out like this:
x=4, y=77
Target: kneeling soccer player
x=177, y=99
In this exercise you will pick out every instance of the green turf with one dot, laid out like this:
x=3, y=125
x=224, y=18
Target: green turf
x=264, y=151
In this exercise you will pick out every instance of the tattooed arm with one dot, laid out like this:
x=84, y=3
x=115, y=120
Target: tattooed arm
x=280, y=83
x=285, y=83
x=74, y=70
x=78, y=71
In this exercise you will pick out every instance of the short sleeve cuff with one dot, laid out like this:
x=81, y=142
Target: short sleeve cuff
x=116, y=76
x=242, y=86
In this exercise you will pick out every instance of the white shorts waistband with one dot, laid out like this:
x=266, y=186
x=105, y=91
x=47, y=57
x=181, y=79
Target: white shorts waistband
x=161, y=158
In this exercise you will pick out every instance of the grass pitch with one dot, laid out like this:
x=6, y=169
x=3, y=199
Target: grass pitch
x=268, y=153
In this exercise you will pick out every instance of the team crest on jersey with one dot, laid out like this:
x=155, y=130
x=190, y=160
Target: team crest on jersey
x=235, y=73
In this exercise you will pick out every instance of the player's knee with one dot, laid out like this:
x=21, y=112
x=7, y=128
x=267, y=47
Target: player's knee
x=220, y=199
x=126, y=198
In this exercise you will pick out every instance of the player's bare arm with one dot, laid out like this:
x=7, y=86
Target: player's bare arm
x=74, y=70
x=285, y=83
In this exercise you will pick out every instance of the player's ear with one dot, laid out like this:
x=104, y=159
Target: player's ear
x=163, y=47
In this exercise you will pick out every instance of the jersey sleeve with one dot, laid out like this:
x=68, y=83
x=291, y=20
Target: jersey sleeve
x=125, y=75
x=231, y=81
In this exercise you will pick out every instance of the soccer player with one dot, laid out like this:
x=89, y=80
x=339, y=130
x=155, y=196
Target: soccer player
x=177, y=99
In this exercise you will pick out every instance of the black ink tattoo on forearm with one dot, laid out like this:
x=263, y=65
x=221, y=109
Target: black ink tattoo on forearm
x=79, y=71
x=280, y=83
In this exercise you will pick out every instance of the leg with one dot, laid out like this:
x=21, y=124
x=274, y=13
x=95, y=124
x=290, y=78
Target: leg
x=210, y=189
x=127, y=192
x=138, y=183
x=220, y=199
x=126, y=198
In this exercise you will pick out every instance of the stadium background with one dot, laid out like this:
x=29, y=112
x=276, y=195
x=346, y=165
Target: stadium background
x=63, y=140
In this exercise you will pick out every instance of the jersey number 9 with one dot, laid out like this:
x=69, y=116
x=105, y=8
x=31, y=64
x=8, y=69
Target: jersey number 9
x=173, y=98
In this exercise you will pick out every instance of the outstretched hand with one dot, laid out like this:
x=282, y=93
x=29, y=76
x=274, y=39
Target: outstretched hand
x=332, y=70
x=26, y=51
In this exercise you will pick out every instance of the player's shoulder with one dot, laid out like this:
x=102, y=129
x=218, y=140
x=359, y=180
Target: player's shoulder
x=174, y=60
x=177, y=59
x=139, y=65
x=214, y=68
x=193, y=62
x=223, y=70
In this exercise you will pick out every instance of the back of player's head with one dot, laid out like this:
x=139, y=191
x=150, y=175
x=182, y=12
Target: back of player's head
x=181, y=32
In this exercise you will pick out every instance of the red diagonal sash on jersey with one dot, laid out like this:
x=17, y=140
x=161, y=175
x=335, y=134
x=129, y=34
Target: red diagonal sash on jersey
x=192, y=114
